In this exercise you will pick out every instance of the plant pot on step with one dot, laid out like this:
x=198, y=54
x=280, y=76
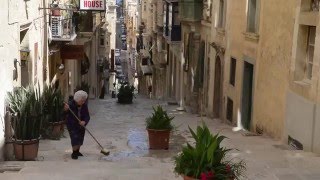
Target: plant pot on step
x=26, y=150
x=158, y=139
x=57, y=128
x=191, y=178
x=56, y=12
x=26, y=106
x=159, y=125
x=213, y=164
x=126, y=93
x=188, y=178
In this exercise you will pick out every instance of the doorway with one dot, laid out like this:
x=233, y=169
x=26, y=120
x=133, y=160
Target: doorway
x=246, y=113
x=217, y=89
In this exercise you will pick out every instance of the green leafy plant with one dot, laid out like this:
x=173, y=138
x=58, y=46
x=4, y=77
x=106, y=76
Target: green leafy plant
x=159, y=120
x=52, y=100
x=26, y=107
x=126, y=93
x=207, y=159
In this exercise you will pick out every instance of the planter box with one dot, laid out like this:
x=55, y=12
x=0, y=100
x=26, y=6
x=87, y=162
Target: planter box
x=125, y=100
x=26, y=150
x=57, y=128
x=158, y=139
x=56, y=12
x=190, y=178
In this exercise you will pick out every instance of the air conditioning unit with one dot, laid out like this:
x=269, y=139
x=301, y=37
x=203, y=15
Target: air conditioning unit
x=56, y=26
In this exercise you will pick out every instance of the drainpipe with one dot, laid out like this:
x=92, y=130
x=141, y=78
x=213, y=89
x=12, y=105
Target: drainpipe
x=45, y=43
x=314, y=116
x=181, y=103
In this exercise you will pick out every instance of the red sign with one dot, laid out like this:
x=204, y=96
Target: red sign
x=72, y=52
x=95, y=5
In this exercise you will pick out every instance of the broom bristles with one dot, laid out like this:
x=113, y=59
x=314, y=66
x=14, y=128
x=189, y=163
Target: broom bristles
x=105, y=152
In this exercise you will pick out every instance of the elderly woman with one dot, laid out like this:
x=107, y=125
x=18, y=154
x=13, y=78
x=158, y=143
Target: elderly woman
x=76, y=129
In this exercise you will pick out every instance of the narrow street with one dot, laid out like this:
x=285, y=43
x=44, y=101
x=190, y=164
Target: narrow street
x=121, y=129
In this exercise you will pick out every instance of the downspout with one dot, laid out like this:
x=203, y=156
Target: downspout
x=45, y=44
x=314, y=116
x=181, y=103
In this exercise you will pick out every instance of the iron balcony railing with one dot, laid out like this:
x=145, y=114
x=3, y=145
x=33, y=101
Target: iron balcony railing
x=62, y=25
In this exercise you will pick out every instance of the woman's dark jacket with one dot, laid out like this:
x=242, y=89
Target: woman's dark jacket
x=72, y=122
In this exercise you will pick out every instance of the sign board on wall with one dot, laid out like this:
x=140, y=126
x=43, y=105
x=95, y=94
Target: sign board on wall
x=93, y=5
x=72, y=52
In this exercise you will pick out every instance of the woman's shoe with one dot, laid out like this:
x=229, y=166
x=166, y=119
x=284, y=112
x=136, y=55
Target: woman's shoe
x=79, y=153
x=74, y=155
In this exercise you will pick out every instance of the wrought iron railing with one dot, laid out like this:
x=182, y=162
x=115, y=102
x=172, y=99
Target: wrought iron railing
x=61, y=24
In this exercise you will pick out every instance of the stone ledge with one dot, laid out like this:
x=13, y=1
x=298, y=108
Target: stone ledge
x=251, y=36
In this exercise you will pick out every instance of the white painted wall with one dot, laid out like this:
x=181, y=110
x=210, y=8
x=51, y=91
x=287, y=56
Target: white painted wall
x=14, y=15
x=111, y=19
x=300, y=119
x=7, y=43
x=303, y=122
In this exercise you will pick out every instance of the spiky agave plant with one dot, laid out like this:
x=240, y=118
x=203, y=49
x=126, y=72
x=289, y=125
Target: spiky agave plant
x=57, y=103
x=52, y=100
x=207, y=158
x=26, y=106
x=159, y=120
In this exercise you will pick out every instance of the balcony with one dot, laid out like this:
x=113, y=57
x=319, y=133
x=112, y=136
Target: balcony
x=61, y=25
x=190, y=10
x=146, y=66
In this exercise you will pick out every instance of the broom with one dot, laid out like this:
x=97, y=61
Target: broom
x=103, y=151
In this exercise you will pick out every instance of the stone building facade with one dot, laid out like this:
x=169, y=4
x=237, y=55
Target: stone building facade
x=23, y=52
x=239, y=62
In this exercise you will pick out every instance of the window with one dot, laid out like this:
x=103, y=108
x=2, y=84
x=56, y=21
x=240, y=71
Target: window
x=176, y=20
x=164, y=14
x=232, y=71
x=145, y=7
x=101, y=42
x=310, y=50
x=163, y=44
x=252, y=21
x=222, y=14
x=170, y=15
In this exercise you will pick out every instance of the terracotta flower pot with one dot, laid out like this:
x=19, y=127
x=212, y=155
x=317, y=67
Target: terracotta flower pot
x=26, y=150
x=56, y=12
x=158, y=139
x=188, y=178
x=191, y=178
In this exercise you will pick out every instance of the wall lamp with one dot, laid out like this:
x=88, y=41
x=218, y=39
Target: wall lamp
x=61, y=68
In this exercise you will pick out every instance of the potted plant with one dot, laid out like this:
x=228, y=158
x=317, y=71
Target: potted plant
x=52, y=100
x=159, y=126
x=55, y=9
x=126, y=93
x=26, y=107
x=206, y=160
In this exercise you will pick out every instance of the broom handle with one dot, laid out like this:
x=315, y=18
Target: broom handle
x=85, y=127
